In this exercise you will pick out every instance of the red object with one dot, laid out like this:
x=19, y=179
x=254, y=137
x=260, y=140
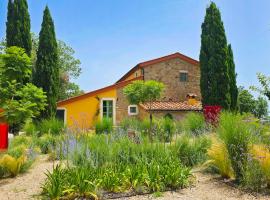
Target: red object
x=3, y=136
x=211, y=114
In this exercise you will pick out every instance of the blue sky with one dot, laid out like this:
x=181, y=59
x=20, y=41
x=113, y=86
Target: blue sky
x=111, y=36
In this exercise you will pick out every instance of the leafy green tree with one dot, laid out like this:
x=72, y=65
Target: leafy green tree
x=261, y=108
x=46, y=73
x=68, y=90
x=215, y=84
x=69, y=68
x=17, y=65
x=246, y=101
x=265, y=83
x=18, y=100
x=232, y=76
x=18, y=25
x=248, y=104
x=144, y=92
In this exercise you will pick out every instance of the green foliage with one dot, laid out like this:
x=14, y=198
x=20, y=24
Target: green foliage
x=246, y=101
x=46, y=73
x=248, y=104
x=193, y=123
x=215, y=80
x=143, y=91
x=51, y=126
x=53, y=187
x=114, y=163
x=232, y=77
x=30, y=128
x=130, y=123
x=46, y=143
x=104, y=126
x=68, y=89
x=191, y=150
x=261, y=108
x=253, y=176
x=69, y=68
x=237, y=137
x=16, y=65
x=20, y=102
x=265, y=82
x=18, y=25
x=166, y=129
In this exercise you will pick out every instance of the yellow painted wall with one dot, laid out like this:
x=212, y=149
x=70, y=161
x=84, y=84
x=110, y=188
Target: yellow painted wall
x=82, y=112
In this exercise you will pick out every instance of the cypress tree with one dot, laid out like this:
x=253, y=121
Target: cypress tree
x=215, y=88
x=232, y=75
x=18, y=25
x=46, y=73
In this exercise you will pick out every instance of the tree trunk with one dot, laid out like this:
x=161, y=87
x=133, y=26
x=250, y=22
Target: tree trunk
x=150, y=128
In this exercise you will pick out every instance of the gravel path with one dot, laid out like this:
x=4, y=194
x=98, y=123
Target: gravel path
x=26, y=186
x=206, y=187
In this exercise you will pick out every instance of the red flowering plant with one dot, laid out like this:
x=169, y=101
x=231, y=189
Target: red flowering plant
x=211, y=114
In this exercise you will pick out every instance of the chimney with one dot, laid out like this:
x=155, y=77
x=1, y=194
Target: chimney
x=191, y=99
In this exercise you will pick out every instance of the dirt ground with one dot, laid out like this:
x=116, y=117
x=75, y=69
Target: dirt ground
x=27, y=185
x=205, y=187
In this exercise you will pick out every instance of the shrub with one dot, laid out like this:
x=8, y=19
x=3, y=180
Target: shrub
x=11, y=164
x=50, y=126
x=193, y=123
x=219, y=159
x=46, y=143
x=17, y=151
x=104, y=126
x=109, y=163
x=53, y=187
x=20, y=140
x=262, y=155
x=166, y=129
x=237, y=136
x=130, y=123
x=253, y=176
x=30, y=128
x=191, y=150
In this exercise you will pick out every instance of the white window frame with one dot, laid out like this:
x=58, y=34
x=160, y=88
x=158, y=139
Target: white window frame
x=65, y=113
x=114, y=108
x=137, y=110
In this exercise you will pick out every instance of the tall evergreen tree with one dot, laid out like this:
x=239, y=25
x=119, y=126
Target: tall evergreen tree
x=46, y=73
x=18, y=25
x=215, y=88
x=232, y=76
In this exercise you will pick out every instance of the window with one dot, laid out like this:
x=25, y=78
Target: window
x=133, y=110
x=107, y=109
x=61, y=114
x=183, y=76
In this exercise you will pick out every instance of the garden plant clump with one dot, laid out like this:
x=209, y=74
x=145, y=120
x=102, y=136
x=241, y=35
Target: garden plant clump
x=113, y=163
x=39, y=138
x=240, y=151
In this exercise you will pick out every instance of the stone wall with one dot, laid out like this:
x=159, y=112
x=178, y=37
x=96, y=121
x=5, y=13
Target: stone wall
x=168, y=72
x=121, y=106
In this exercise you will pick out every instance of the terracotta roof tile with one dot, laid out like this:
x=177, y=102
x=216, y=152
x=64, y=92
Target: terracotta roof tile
x=172, y=106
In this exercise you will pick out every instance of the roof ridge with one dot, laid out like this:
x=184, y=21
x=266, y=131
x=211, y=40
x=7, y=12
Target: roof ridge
x=93, y=92
x=160, y=59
